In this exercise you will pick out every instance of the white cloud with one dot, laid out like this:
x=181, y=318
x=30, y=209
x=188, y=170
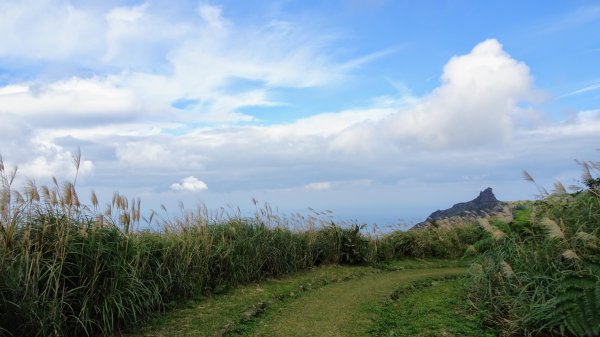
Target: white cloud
x=319, y=186
x=589, y=88
x=212, y=15
x=190, y=184
x=194, y=58
x=145, y=60
x=330, y=123
x=50, y=160
x=124, y=24
x=588, y=116
x=475, y=111
x=139, y=37
x=477, y=103
x=158, y=152
x=54, y=30
x=65, y=99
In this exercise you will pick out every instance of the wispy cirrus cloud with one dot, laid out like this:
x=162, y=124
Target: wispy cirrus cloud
x=575, y=18
x=586, y=89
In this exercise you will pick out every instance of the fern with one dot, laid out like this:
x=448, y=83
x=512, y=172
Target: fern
x=578, y=305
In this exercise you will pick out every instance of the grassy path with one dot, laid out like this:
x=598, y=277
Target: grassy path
x=335, y=310
x=218, y=314
x=325, y=301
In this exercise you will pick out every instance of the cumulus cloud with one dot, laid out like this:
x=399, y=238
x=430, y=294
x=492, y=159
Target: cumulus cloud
x=189, y=184
x=480, y=97
x=37, y=156
x=47, y=160
x=58, y=165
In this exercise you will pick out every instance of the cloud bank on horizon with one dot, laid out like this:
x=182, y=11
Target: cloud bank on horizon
x=166, y=100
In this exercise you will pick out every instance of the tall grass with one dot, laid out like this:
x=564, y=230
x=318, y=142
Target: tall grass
x=67, y=269
x=71, y=269
x=442, y=242
x=540, y=275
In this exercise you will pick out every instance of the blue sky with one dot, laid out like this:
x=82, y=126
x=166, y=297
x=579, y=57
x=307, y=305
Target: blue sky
x=380, y=111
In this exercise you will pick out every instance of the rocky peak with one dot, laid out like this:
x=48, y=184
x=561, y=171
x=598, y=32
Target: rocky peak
x=485, y=200
x=484, y=205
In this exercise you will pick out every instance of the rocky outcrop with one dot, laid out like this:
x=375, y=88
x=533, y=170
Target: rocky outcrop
x=485, y=205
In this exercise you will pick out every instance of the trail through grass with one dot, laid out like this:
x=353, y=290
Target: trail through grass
x=325, y=301
x=336, y=309
x=223, y=314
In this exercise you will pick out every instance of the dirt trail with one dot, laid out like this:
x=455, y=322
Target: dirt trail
x=338, y=309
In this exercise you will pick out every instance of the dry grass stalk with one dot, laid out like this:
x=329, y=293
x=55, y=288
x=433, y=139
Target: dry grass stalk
x=587, y=170
x=554, y=230
x=586, y=236
x=570, y=254
x=528, y=177
x=542, y=190
x=31, y=191
x=589, y=239
x=94, y=199
x=496, y=233
x=507, y=269
x=559, y=188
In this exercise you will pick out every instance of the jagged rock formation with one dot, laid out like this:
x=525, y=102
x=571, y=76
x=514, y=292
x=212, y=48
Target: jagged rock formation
x=485, y=205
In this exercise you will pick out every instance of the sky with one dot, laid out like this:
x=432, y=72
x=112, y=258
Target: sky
x=380, y=111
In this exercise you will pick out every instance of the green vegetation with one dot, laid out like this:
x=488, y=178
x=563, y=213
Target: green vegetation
x=69, y=269
x=443, y=242
x=236, y=311
x=428, y=308
x=540, y=274
x=338, y=309
x=251, y=309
